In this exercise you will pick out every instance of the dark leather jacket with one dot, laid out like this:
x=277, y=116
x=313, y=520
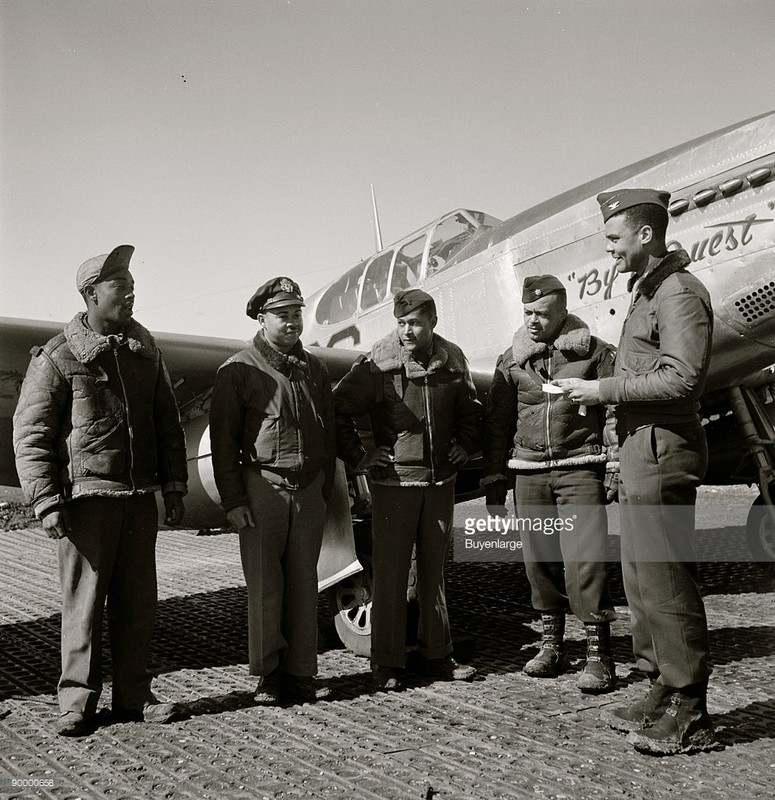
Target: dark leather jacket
x=97, y=416
x=527, y=428
x=664, y=351
x=416, y=411
x=273, y=413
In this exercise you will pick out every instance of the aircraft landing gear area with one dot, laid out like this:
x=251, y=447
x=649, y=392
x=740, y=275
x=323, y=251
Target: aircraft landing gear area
x=758, y=432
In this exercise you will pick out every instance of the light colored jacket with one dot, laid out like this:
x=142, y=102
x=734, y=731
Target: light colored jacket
x=97, y=416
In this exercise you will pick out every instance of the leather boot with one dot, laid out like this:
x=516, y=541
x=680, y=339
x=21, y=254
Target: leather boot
x=599, y=674
x=551, y=660
x=685, y=727
x=642, y=713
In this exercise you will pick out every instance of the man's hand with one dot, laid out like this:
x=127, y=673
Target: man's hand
x=495, y=498
x=611, y=485
x=381, y=456
x=174, y=510
x=457, y=455
x=56, y=523
x=241, y=517
x=585, y=393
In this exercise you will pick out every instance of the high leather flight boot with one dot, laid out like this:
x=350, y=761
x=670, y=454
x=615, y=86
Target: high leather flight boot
x=599, y=673
x=685, y=727
x=642, y=713
x=550, y=660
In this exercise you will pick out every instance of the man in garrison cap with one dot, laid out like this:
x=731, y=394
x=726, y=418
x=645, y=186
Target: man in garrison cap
x=660, y=371
x=96, y=434
x=425, y=423
x=273, y=450
x=565, y=467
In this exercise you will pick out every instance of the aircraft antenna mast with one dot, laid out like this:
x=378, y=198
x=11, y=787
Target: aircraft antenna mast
x=377, y=231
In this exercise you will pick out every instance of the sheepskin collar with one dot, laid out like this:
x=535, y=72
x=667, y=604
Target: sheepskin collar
x=672, y=262
x=87, y=344
x=389, y=354
x=574, y=336
x=280, y=361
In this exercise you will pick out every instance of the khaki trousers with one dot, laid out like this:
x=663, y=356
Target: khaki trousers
x=279, y=559
x=661, y=468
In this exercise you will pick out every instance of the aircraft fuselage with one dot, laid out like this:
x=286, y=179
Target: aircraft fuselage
x=722, y=213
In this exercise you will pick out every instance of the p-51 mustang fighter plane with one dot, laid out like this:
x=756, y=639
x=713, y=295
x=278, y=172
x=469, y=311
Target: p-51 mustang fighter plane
x=722, y=213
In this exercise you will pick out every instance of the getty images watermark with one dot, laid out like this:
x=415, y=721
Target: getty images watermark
x=500, y=537
x=573, y=533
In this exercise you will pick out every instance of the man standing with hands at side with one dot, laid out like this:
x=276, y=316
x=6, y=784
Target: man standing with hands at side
x=661, y=367
x=272, y=436
x=96, y=433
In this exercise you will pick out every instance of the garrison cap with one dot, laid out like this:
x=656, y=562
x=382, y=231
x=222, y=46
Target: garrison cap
x=104, y=267
x=613, y=202
x=276, y=293
x=537, y=286
x=407, y=300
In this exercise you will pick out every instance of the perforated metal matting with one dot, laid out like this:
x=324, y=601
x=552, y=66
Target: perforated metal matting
x=503, y=736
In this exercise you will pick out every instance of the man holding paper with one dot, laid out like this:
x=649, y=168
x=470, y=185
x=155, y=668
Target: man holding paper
x=661, y=368
x=560, y=458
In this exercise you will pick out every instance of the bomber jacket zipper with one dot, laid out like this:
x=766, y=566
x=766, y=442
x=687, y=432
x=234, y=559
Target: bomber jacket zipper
x=428, y=418
x=549, y=408
x=297, y=411
x=128, y=421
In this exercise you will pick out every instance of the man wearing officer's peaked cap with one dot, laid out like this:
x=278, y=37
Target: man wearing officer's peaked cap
x=272, y=436
x=275, y=293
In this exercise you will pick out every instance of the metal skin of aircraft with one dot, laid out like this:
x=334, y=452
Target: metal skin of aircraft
x=722, y=212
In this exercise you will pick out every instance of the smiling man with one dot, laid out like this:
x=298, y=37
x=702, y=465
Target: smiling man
x=96, y=433
x=659, y=375
x=425, y=423
x=272, y=435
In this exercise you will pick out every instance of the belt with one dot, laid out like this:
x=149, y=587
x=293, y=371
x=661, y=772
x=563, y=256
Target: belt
x=287, y=478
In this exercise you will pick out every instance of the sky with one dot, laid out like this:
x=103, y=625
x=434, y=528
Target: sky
x=231, y=141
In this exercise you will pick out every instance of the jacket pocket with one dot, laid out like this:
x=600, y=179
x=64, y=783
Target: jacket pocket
x=639, y=363
x=106, y=463
x=93, y=398
x=266, y=445
x=409, y=448
x=105, y=455
x=654, y=442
